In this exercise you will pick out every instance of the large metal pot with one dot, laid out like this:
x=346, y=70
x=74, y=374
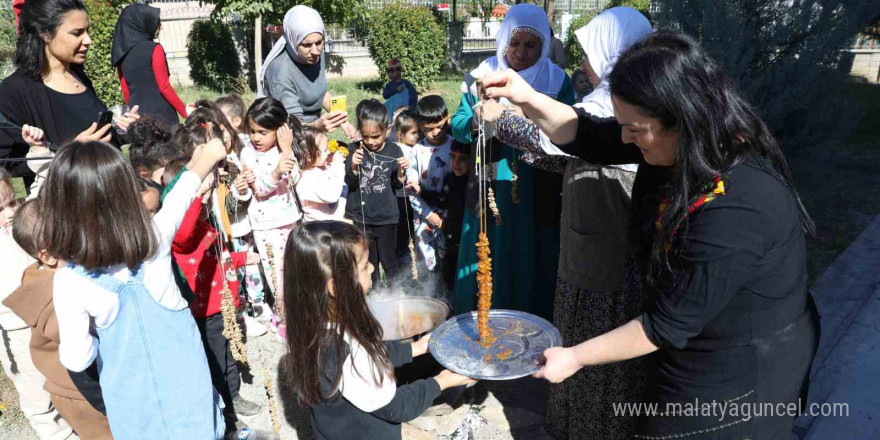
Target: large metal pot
x=407, y=316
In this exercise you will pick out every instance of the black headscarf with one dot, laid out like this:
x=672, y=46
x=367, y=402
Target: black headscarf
x=137, y=23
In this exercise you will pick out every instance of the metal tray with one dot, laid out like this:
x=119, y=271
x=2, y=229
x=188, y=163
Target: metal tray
x=522, y=339
x=406, y=316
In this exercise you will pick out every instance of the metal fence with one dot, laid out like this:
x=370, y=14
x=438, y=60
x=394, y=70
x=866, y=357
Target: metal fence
x=344, y=41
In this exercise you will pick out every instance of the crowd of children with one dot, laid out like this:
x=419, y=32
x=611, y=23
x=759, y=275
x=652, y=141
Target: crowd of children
x=189, y=240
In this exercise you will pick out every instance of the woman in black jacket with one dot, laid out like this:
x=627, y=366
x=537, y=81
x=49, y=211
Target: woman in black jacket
x=50, y=89
x=719, y=230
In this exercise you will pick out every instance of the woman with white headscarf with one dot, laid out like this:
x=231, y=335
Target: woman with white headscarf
x=598, y=285
x=293, y=72
x=525, y=246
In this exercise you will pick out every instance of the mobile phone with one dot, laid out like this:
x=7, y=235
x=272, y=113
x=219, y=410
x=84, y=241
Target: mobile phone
x=337, y=104
x=104, y=118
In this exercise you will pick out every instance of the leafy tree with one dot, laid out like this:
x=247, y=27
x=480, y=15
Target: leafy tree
x=783, y=55
x=213, y=61
x=272, y=11
x=102, y=20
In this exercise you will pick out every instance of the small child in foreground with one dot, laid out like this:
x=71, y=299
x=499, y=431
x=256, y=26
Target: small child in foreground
x=32, y=302
x=338, y=364
x=28, y=381
x=117, y=302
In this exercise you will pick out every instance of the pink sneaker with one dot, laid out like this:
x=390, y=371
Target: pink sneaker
x=281, y=333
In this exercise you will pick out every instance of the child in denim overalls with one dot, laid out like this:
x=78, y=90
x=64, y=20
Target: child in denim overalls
x=118, y=285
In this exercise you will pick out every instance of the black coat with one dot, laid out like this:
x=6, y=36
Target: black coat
x=734, y=321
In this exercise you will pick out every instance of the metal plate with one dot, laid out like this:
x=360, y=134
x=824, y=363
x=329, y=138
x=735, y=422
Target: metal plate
x=522, y=339
x=406, y=316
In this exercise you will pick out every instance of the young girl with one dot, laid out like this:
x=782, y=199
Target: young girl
x=116, y=300
x=270, y=167
x=239, y=232
x=406, y=125
x=233, y=109
x=321, y=188
x=338, y=364
x=373, y=172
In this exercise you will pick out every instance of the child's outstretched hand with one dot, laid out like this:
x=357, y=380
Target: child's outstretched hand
x=285, y=140
x=248, y=175
x=33, y=136
x=420, y=347
x=357, y=159
x=206, y=156
x=252, y=258
x=447, y=379
x=402, y=162
x=241, y=183
x=207, y=184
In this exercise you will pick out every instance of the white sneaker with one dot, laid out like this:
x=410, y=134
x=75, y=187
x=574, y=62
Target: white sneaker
x=253, y=327
x=262, y=311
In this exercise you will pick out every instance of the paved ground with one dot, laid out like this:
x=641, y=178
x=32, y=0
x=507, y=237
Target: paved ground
x=848, y=360
x=844, y=372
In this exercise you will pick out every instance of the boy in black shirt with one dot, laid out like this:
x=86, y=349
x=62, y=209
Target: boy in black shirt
x=373, y=171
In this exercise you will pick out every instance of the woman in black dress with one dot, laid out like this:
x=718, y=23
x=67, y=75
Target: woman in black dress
x=719, y=231
x=49, y=89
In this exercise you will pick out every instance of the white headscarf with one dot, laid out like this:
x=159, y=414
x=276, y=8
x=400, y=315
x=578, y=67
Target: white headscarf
x=603, y=39
x=544, y=76
x=299, y=22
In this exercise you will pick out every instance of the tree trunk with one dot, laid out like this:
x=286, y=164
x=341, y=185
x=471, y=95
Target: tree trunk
x=258, y=46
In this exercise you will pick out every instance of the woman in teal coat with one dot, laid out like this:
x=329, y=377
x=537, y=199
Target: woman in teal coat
x=525, y=243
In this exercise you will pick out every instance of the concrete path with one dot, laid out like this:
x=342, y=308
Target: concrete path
x=847, y=364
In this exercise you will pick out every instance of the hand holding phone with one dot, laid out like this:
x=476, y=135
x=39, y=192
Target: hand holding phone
x=338, y=104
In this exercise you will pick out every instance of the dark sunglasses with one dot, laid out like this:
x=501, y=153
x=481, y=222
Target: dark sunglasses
x=392, y=69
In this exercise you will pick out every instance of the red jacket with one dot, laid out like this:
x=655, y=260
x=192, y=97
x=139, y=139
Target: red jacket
x=195, y=250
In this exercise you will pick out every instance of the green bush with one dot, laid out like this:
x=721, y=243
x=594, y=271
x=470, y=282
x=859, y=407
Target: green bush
x=8, y=40
x=213, y=60
x=573, y=51
x=643, y=6
x=102, y=19
x=410, y=34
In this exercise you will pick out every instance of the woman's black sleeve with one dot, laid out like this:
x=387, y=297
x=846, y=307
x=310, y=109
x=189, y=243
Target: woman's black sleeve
x=598, y=141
